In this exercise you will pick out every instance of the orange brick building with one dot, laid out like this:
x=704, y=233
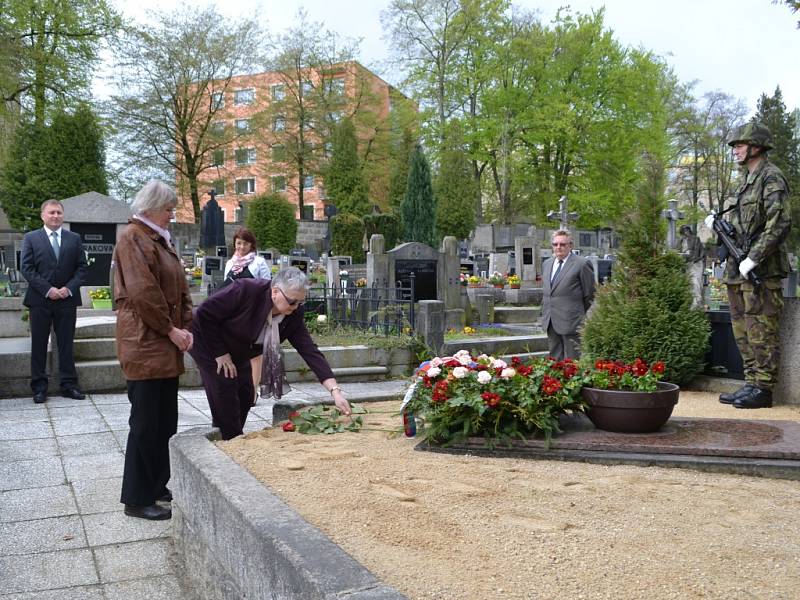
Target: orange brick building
x=257, y=161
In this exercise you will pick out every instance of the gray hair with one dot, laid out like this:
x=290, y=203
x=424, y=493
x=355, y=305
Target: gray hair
x=562, y=232
x=291, y=279
x=154, y=196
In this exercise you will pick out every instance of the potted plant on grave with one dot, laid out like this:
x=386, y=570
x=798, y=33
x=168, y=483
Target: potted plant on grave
x=101, y=297
x=628, y=397
x=474, y=281
x=497, y=279
x=514, y=282
x=645, y=311
x=458, y=397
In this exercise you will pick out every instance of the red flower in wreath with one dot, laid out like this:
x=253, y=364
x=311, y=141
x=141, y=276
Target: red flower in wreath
x=440, y=391
x=490, y=399
x=550, y=385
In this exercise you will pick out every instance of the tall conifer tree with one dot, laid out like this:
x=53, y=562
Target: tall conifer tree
x=419, y=206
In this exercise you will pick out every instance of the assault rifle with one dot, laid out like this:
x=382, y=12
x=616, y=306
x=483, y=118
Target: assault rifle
x=727, y=234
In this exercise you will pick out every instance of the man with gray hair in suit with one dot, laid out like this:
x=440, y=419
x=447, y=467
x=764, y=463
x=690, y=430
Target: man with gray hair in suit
x=568, y=290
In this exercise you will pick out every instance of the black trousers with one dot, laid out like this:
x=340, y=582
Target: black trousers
x=62, y=320
x=230, y=400
x=153, y=420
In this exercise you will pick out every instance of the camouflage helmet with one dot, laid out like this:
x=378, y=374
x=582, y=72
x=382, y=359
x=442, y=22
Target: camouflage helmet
x=755, y=134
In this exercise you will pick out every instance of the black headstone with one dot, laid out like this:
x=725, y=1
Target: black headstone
x=213, y=264
x=424, y=277
x=98, y=241
x=222, y=251
x=212, y=224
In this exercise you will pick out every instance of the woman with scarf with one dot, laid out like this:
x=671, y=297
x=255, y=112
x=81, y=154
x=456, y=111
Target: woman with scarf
x=245, y=262
x=249, y=318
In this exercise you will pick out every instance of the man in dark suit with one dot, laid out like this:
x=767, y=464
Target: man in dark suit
x=53, y=262
x=568, y=291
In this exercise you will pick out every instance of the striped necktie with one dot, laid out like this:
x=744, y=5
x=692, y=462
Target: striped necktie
x=558, y=270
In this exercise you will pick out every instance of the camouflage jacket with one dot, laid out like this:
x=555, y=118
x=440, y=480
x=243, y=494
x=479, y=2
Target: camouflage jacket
x=762, y=220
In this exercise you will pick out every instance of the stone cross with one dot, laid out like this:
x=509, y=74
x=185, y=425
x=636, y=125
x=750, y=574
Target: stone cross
x=562, y=216
x=672, y=214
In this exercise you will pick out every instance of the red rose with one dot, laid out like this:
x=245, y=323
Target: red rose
x=490, y=399
x=657, y=367
x=288, y=426
x=550, y=385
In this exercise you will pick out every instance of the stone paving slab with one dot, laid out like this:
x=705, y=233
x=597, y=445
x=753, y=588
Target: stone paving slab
x=40, y=472
x=47, y=571
x=157, y=588
x=73, y=593
x=23, y=449
x=88, y=443
x=27, y=431
x=763, y=448
x=116, y=528
x=37, y=503
x=98, y=495
x=93, y=466
x=41, y=535
x=134, y=560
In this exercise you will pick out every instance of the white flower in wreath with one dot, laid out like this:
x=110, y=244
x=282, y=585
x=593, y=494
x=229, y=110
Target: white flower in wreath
x=434, y=371
x=436, y=362
x=484, y=377
x=460, y=372
x=498, y=364
x=508, y=373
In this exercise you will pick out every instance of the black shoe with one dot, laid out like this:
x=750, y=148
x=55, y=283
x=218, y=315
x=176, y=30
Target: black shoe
x=165, y=497
x=729, y=398
x=73, y=393
x=154, y=512
x=756, y=398
x=39, y=397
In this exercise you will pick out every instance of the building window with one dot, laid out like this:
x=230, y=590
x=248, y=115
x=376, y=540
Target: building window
x=244, y=97
x=245, y=156
x=279, y=124
x=246, y=186
x=242, y=125
x=218, y=159
x=336, y=86
x=308, y=88
x=308, y=182
x=278, y=153
x=219, y=187
x=279, y=183
x=217, y=100
x=278, y=92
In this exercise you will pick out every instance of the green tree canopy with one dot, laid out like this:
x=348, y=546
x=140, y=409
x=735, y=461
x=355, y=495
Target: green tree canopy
x=344, y=181
x=455, y=190
x=271, y=219
x=64, y=159
x=419, y=206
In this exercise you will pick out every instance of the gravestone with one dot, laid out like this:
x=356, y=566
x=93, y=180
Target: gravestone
x=378, y=264
x=449, y=281
x=499, y=262
x=482, y=265
x=467, y=267
x=212, y=277
x=525, y=250
x=212, y=225
x=98, y=219
x=672, y=215
x=419, y=259
x=563, y=216
x=301, y=262
x=222, y=251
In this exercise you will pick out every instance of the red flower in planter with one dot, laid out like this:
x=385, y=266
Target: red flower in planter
x=550, y=385
x=639, y=367
x=657, y=367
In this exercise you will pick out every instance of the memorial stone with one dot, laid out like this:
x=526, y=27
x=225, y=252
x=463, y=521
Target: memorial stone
x=378, y=264
x=98, y=219
x=448, y=279
x=419, y=259
x=525, y=258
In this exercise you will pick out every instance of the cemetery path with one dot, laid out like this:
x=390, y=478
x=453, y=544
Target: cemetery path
x=463, y=527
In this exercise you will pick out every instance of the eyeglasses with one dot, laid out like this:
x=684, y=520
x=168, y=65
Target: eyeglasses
x=290, y=302
x=560, y=244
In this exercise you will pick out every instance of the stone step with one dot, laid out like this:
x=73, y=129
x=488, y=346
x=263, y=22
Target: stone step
x=517, y=314
x=103, y=326
x=86, y=349
x=495, y=346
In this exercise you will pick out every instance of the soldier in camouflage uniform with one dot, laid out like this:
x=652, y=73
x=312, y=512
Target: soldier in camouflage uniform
x=762, y=221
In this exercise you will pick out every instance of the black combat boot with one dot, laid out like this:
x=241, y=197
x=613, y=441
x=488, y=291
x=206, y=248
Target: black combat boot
x=729, y=398
x=756, y=398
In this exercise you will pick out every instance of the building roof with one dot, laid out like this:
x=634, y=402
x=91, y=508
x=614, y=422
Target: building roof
x=94, y=207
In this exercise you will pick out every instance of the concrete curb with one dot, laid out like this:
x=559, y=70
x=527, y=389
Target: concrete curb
x=238, y=540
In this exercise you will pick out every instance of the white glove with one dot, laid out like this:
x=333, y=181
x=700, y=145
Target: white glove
x=709, y=221
x=746, y=266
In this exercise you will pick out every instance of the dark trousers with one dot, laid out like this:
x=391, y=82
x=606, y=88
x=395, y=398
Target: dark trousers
x=561, y=346
x=62, y=320
x=229, y=399
x=153, y=420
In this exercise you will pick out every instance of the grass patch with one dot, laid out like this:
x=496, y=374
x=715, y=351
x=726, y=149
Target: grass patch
x=483, y=332
x=340, y=336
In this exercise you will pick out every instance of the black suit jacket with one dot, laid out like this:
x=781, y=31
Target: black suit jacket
x=42, y=271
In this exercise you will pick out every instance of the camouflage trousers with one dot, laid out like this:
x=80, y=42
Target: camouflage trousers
x=755, y=319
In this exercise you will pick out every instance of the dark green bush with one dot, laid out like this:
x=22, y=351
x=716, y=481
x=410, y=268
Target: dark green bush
x=646, y=313
x=388, y=225
x=347, y=236
x=271, y=218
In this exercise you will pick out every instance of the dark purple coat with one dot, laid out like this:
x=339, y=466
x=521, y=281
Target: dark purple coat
x=231, y=320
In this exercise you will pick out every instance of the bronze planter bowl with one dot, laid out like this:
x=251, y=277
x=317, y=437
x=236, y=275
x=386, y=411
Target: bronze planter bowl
x=630, y=411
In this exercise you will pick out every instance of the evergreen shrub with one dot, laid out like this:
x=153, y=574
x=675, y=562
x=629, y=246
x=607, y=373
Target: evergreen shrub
x=347, y=236
x=388, y=225
x=271, y=218
x=647, y=313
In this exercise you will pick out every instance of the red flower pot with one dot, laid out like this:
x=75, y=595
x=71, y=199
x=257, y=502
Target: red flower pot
x=629, y=411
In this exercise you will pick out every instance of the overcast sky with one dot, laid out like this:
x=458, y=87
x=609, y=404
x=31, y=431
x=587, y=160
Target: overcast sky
x=743, y=48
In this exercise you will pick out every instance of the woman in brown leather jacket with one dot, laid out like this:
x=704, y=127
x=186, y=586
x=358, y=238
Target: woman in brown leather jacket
x=154, y=312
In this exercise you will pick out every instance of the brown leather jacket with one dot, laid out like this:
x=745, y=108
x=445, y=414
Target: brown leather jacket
x=151, y=296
